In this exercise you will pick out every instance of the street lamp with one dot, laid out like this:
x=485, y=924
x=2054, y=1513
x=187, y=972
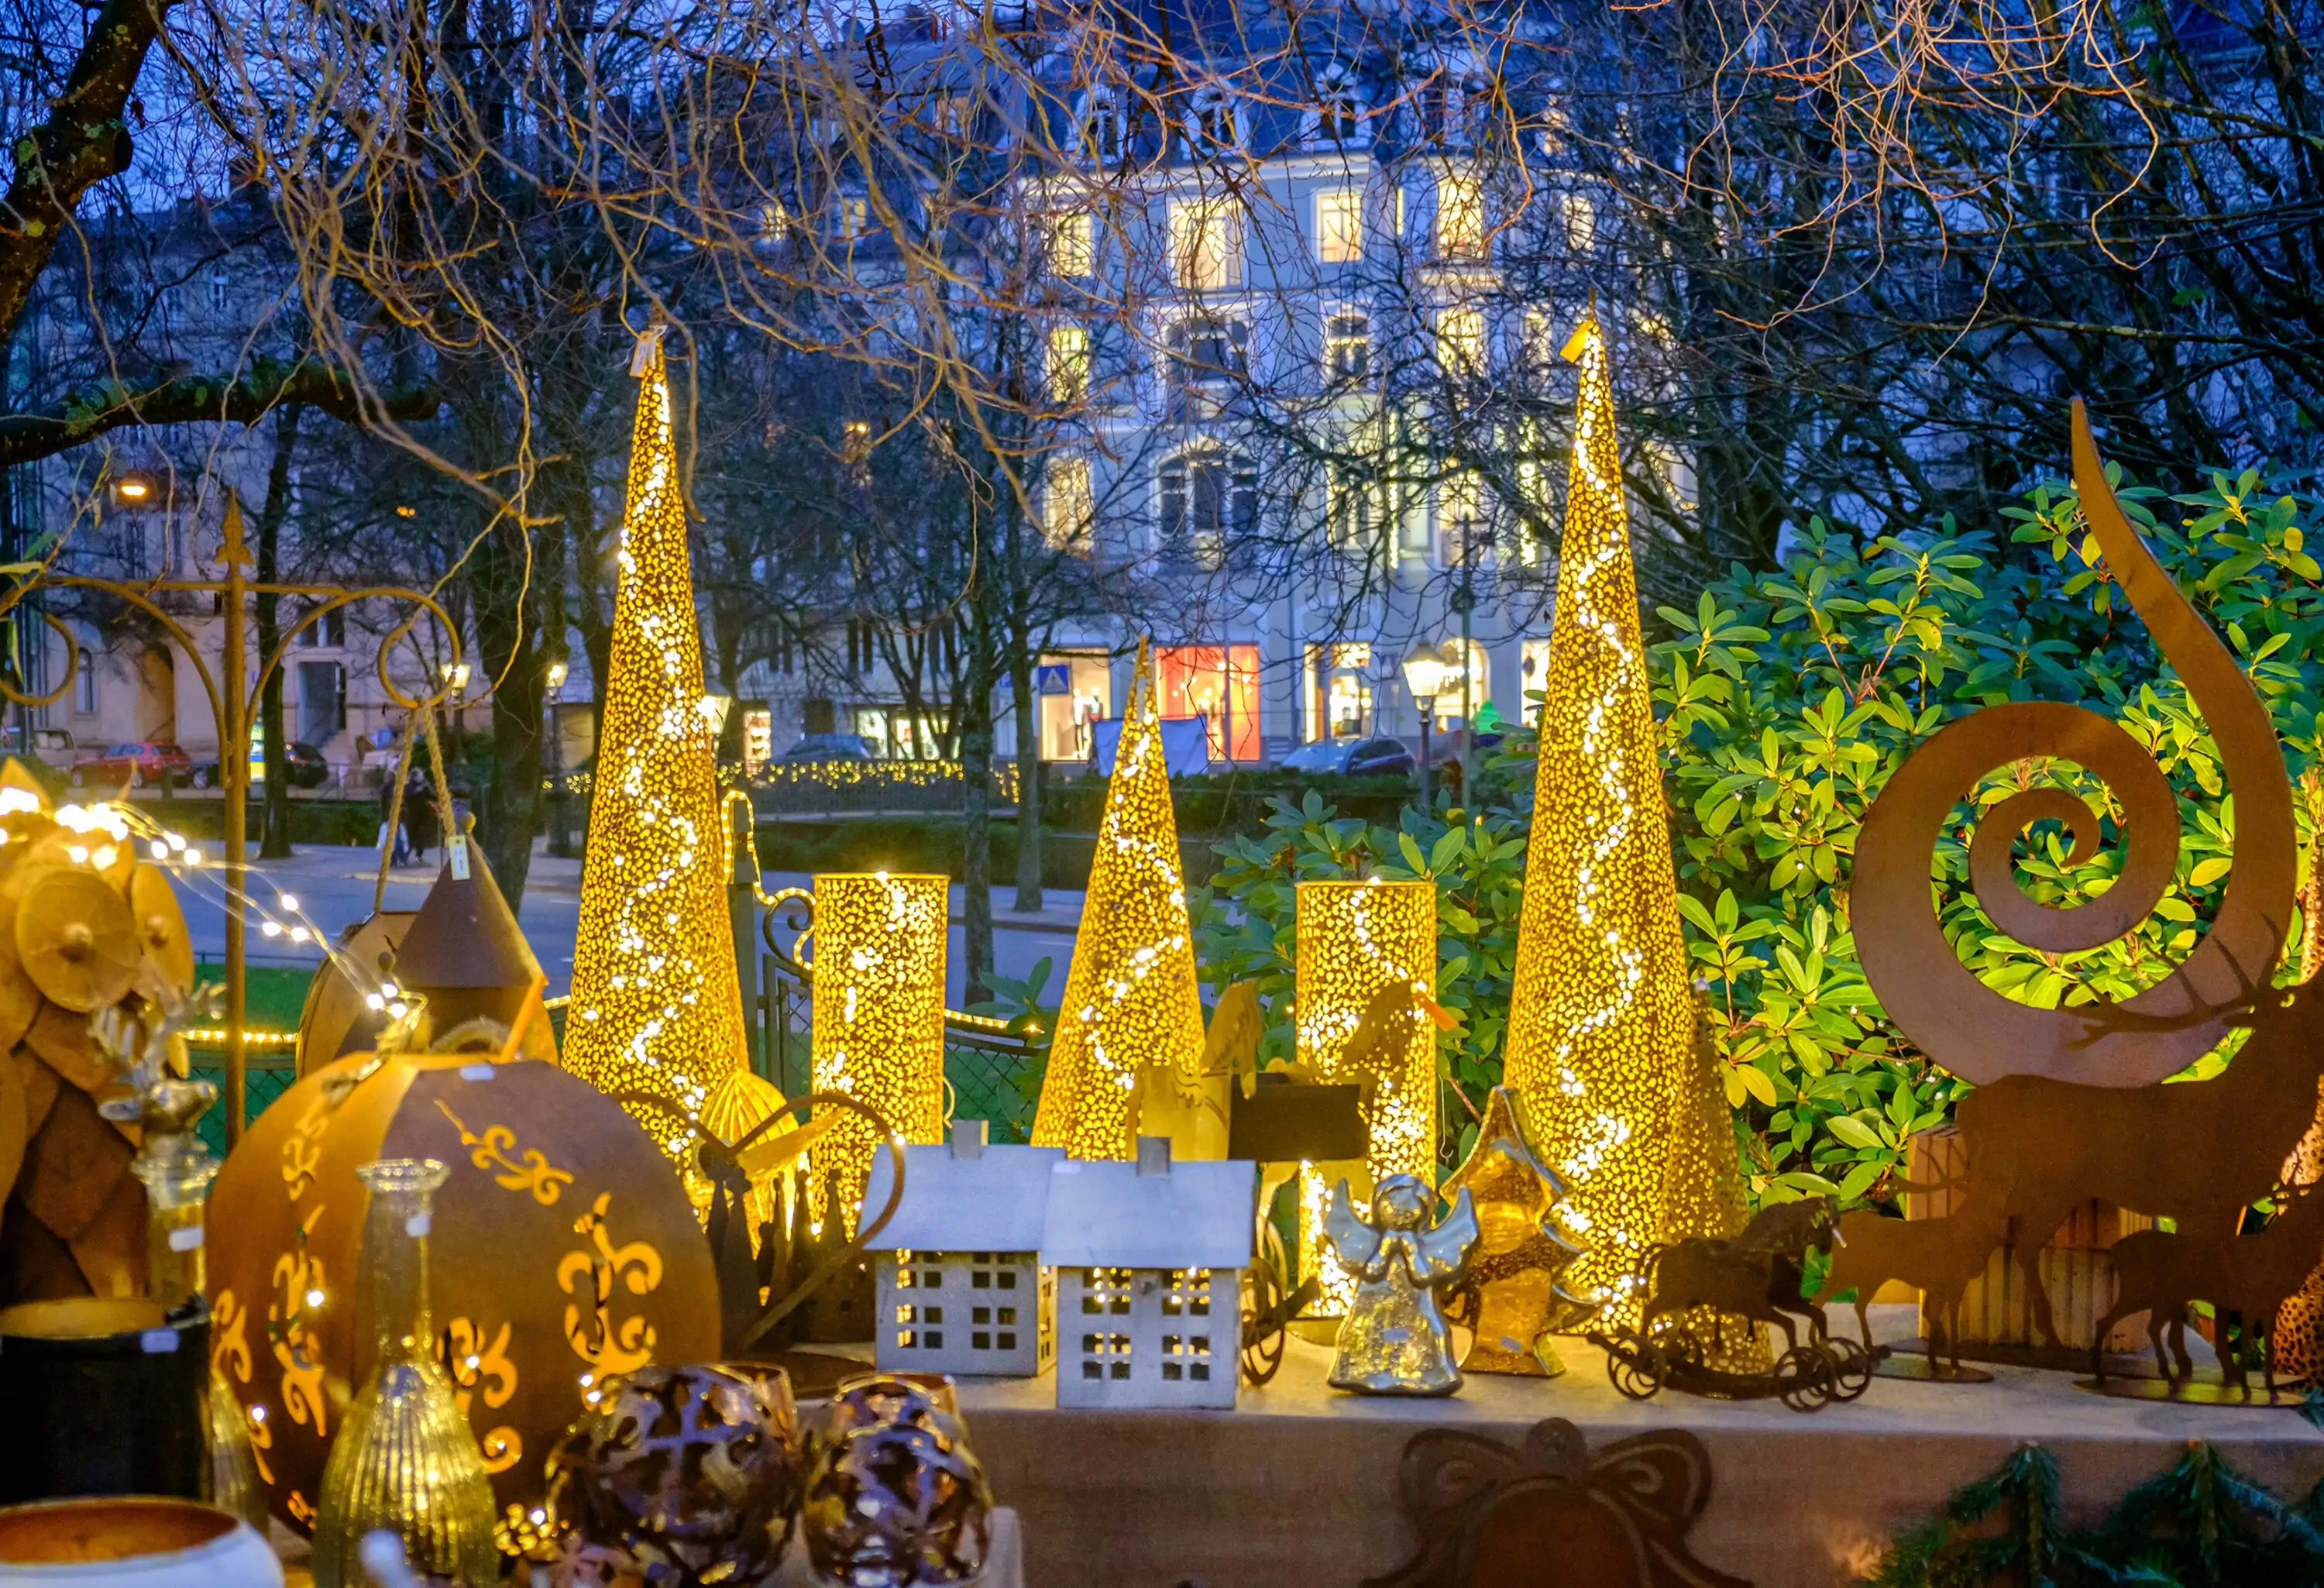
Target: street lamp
x=561, y=839
x=1424, y=676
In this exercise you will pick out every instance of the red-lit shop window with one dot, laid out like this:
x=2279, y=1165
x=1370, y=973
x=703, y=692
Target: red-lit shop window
x=1217, y=682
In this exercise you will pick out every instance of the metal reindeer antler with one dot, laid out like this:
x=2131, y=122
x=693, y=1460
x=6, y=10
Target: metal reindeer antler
x=1977, y=1033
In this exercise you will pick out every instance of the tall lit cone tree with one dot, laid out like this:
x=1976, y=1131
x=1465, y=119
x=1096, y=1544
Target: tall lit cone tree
x=1602, y=1017
x=657, y=1008
x=84, y=924
x=1130, y=999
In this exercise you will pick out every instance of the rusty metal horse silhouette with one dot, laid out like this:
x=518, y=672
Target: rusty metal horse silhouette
x=2068, y=1106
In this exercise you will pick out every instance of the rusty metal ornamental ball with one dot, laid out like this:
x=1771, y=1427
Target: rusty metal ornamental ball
x=563, y=1252
x=690, y=1474
x=896, y=1498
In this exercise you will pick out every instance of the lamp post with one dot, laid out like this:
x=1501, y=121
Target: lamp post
x=560, y=836
x=1424, y=676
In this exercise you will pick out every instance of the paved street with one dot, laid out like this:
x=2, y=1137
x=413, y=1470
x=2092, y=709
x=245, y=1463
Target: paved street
x=334, y=887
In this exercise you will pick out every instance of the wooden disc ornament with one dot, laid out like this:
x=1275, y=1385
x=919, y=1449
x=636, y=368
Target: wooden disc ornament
x=76, y=939
x=562, y=1250
x=161, y=925
x=20, y=1001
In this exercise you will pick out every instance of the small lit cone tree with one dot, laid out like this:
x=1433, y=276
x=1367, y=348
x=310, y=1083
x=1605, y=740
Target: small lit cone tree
x=656, y=1008
x=1130, y=1002
x=1601, y=1018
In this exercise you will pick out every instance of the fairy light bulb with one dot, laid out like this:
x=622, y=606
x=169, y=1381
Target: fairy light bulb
x=1130, y=998
x=1600, y=1019
x=657, y=1005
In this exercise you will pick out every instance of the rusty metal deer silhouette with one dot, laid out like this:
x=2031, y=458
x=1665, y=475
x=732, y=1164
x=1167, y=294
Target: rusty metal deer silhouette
x=2069, y=1106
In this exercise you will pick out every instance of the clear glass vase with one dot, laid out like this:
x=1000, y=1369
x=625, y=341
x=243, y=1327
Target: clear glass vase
x=405, y=1459
x=177, y=1170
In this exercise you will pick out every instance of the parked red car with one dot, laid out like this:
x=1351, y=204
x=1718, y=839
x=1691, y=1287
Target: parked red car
x=135, y=765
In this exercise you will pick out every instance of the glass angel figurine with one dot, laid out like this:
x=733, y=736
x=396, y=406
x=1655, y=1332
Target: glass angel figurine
x=1393, y=1340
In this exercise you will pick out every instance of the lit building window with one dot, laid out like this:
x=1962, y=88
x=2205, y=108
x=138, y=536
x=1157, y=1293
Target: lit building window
x=1077, y=692
x=1068, y=505
x=1218, y=683
x=774, y=220
x=1068, y=364
x=1339, y=226
x=1071, y=251
x=1341, y=684
x=854, y=216
x=1460, y=342
x=1580, y=222
x=1461, y=216
x=1203, y=498
x=1348, y=345
x=1206, y=245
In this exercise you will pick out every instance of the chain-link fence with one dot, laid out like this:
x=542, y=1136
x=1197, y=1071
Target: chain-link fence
x=266, y=1078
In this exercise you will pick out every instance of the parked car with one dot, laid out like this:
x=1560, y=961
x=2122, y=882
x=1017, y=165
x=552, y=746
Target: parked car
x=54, y=747
x=306, y=767
x=1352, y=758
x=827, y=747
x=135, y=765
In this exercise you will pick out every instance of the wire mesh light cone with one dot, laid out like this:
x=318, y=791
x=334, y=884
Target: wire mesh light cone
x=1130, y=999
x=1600, y=1017
x=656, y=1006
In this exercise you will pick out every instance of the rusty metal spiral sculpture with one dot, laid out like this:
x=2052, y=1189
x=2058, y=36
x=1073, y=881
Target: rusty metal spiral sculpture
x=1977, y=1032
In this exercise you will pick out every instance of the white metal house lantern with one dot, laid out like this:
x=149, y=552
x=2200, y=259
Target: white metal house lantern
x=961, y=1286
x=1149, y=1258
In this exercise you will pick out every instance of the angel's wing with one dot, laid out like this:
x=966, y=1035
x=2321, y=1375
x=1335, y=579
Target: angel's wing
x=1231, y=1047
x=1356, y=1242
x=1444, y=1250
x=1376, y=1045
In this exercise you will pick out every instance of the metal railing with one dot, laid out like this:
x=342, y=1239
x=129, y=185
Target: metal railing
x=992, y=1074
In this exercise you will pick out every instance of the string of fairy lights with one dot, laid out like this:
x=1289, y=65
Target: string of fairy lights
x=111, y=832
x=1130, y=998
x=1600, y=1018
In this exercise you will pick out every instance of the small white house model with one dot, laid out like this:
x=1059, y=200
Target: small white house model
x=961, y=1289
x=1149, y=1258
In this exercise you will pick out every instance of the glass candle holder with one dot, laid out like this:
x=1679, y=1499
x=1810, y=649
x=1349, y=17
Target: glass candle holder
x=405, y=1459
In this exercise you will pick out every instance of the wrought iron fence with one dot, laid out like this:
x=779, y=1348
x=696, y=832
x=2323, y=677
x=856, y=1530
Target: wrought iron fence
x=994, y=1077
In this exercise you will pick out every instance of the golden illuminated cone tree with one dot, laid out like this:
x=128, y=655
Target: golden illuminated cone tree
x=1130, y=1000
x=1601, y=1019
x=657, y=1008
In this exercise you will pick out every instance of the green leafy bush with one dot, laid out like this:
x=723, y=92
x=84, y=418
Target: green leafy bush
x=1788, y=698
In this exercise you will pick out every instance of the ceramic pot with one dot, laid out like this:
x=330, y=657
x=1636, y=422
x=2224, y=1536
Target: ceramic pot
x=137, y=1542
x=103, y=1397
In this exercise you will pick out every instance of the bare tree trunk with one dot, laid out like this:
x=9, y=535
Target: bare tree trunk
x=274, y=829
x=1028, y=775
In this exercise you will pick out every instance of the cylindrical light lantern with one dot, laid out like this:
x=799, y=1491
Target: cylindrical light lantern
x=1355, y=938
x=879, y=973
